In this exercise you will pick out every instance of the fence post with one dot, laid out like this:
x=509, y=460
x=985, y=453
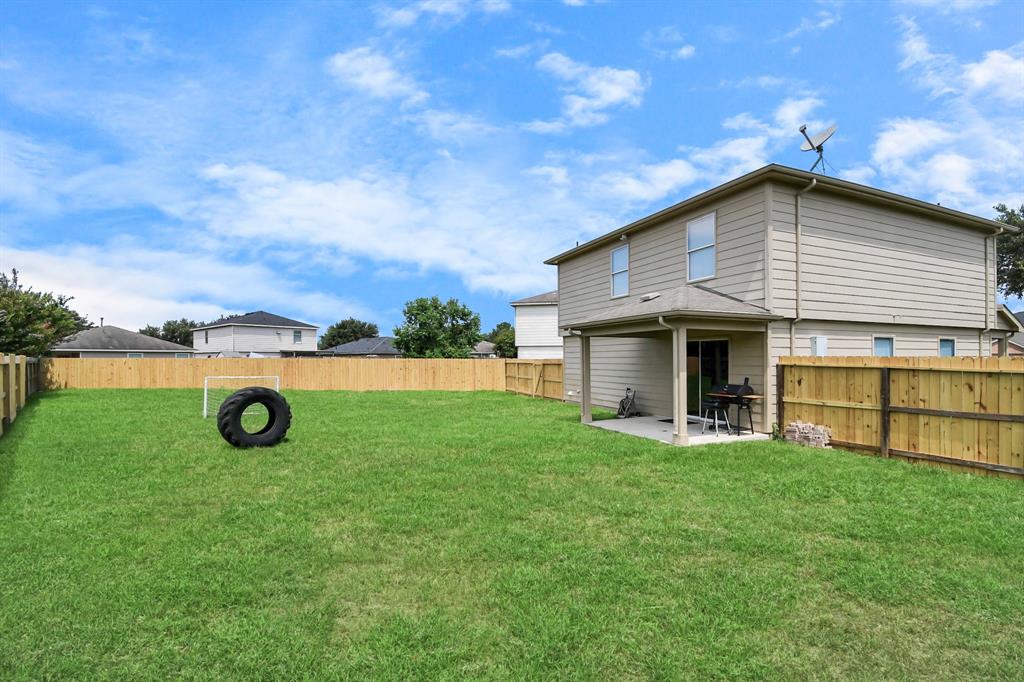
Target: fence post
x=780, y=394
x=884, y=396
x=22, y=381
x=11, y=389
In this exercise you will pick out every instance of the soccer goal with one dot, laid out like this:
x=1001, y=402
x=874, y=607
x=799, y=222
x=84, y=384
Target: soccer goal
x=217, y=389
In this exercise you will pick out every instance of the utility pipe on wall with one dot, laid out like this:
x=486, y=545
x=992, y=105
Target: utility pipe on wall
x=796, y=256
x=989, y=294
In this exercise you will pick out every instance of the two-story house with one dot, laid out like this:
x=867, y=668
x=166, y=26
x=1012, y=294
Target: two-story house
x=261, y=333
x=776, y=262
x=536, y=325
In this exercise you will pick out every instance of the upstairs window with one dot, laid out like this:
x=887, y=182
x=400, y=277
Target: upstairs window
x=182, y=355
x=206, y=336
x=884, y=347
x=620, y=271
x=134, y=355
x=700, y=248
x=947, y=348
x=297, y=336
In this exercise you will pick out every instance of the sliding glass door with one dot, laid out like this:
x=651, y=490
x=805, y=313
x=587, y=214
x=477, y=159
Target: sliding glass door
x=707, y=364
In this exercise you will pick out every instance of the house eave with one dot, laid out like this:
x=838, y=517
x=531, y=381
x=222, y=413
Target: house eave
x=261, y=326
x=675, y=315
x=787, y=174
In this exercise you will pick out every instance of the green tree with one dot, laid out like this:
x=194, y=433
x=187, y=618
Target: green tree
x=433, y=329
x=347, y=330
x=498, y=329
x=505, y=342
x=31, y=322
x=1010, y=247
x=175, y=331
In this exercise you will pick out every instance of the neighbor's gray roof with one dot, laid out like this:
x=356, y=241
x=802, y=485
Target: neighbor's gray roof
x=375, y=345
x=789, y=175
x=484, y=348
x=688, y=300
x=109, y=337
x=259, y=318
x=550, y=298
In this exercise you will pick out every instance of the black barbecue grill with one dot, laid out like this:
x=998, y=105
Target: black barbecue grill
x=738, y=395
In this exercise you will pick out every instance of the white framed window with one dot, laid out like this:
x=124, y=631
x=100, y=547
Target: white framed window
x=947, y=348
x=884, y=346
x=819, y=346
x=297, y=336
x=620, y=271
x=134, y=355
x=700, y=248
x=206, y=336
x=184, y=356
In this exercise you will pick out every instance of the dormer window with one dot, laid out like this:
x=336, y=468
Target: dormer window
x=620, y=271
x=700, y=248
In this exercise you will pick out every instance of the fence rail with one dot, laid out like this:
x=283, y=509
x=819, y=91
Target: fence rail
x=537, y=378
x=19, y=378
x=316, y=374
x=952, y=412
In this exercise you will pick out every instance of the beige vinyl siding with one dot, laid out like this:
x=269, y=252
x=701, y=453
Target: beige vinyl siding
x=855, y=339
x=657, y=259
x=220, y=340
x=867, y=263
x=644, y=364
x=537, y=331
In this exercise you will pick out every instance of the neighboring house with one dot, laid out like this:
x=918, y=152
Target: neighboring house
x=484, y=349
x=537, y=336
x=371, y=347
x=260, y=332
x=107, y=341
x=776, y=262
x=1014, y=342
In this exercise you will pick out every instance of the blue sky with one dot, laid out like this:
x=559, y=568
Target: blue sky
x=322, y=160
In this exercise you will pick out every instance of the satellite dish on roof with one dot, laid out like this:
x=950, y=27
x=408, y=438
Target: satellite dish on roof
x=817, y=144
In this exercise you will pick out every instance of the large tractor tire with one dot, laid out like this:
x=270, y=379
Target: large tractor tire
x=229, y=418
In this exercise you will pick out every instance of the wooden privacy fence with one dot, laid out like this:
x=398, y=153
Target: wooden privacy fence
x=955, y=412
x=19, y=378
x=538, y=378
x=316, y=374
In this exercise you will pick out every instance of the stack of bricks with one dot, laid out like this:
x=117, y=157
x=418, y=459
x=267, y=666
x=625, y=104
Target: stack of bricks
x=812, y=435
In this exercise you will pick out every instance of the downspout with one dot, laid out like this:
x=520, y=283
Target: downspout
x=989, y=295
x=796, y=257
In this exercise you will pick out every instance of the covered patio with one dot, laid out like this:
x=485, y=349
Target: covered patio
x=708, y=338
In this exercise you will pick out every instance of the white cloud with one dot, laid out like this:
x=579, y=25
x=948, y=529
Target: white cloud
x=131, y=285
x=520, y=51
x=555, y=175
x=364, y=69
x=649, y=182
x=969, y=153
x=450, y=126
x=950, y=6
x=824, y=18
x=590, y=91
x=685, y=52
x=452, y=11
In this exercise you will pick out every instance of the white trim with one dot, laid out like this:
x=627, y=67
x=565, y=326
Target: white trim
x=713, y=245
x=264, y=326
x=883, y=336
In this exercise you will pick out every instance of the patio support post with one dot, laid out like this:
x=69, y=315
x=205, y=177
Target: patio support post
x=585, y=415
x=679, y=385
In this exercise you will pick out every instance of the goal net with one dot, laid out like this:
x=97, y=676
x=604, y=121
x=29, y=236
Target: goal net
x=217, y=389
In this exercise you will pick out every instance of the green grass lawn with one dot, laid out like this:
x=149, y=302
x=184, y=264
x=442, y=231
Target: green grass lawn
x=443, y=535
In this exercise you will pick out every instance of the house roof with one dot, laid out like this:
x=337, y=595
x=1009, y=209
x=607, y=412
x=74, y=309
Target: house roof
x=484, y=348
x=687, y=300
x=375, y=345
x=109, y=337
x=258, y=318
x=791, y=175
x=549, y=298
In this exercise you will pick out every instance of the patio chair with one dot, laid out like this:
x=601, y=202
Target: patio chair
x=710, y=405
